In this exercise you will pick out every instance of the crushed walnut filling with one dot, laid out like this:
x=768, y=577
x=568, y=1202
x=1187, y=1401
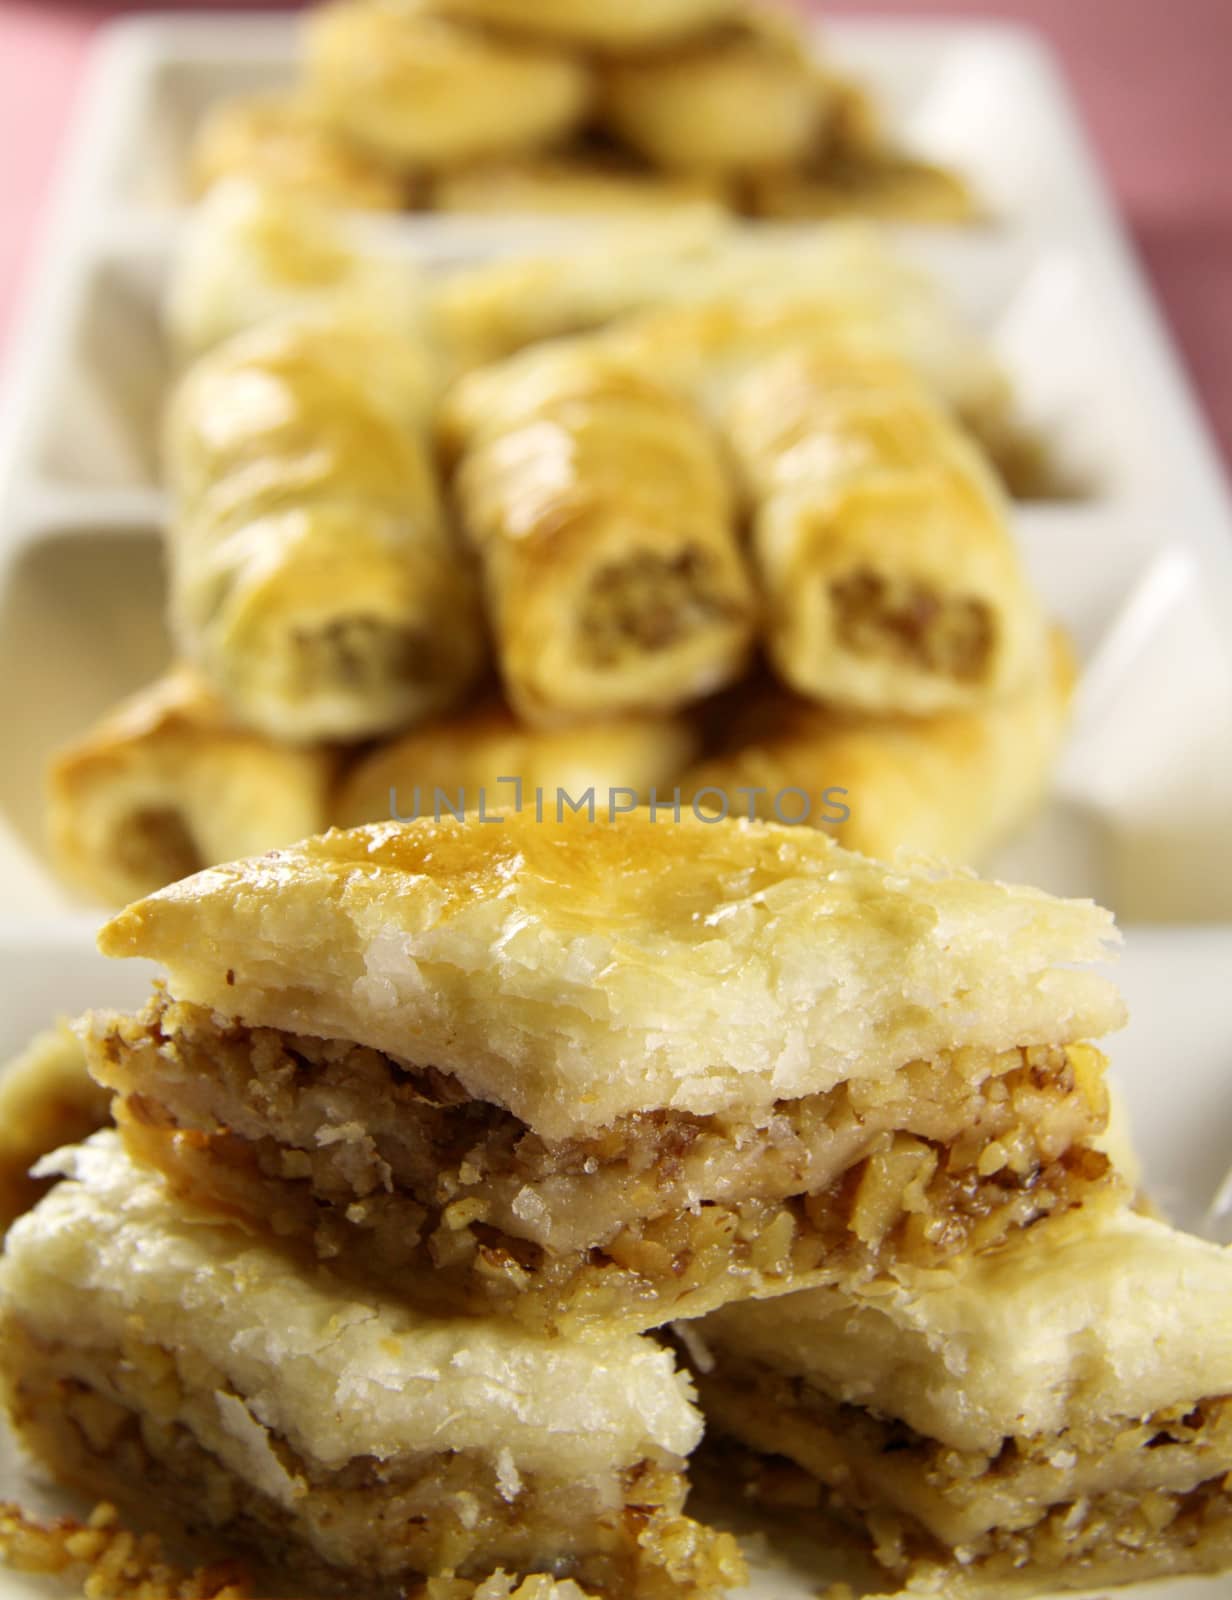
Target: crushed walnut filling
x=648, y=603
x=383, y=1166
x=127, y=1422
x=878, y=615
x=156, y=844
x=1128, y=1497
x=358, y=653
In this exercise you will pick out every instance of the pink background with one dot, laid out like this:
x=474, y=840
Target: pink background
x=1153, y=77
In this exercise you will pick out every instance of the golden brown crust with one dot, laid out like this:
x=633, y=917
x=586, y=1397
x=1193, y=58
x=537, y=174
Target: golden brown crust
x=599, y=506
x=168, y=783
x=419, y=89
x=954, y=786
x=47, y=1099
x=314, y=581
x=370, y=936
x=607, y=25
x=485, y=756
x=678, y=109
x=892, y=579
x=278, y=139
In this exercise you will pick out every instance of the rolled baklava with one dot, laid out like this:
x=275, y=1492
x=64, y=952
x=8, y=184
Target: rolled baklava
x=955, y=785
x=484, y=760
x=47, y=1098
x=167, y=783
x=201, y=1381
x=599, y=505
x=616, y=25
x=254, y=252
x=418, y=89
x=1053, y=1414
x=739, y=98
x=314, y=580
x=890, y=575
x=586, y=1074
x=277, y=139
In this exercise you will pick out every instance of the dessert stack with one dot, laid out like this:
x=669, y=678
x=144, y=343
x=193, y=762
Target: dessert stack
x=428, y=1127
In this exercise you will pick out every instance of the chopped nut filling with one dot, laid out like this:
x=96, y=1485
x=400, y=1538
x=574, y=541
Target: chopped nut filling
x=648, y=603
x=124, y=1423
x=385, y=1167
x=876, y=615
x=157, y=844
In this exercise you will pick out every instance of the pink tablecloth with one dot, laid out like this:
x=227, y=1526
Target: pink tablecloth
x=1152, y=79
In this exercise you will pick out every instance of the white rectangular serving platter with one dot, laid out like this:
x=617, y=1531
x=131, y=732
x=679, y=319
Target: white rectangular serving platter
x=1139, y=568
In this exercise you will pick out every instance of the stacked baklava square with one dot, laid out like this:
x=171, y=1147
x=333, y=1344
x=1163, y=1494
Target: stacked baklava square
x=429, y=1125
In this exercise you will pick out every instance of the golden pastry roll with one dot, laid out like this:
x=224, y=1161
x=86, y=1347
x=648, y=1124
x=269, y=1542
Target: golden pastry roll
x=485, y=759
x=740, y=98
x=254, y=251
x=279, y=139
x=600, y=507
x=313, y=578
x=890, y=186
x=606, y=25
x=956, y=785
x=417, y=89
x=168, y=783
x=889, y=572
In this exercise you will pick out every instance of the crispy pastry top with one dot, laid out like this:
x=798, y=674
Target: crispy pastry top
x=115, y=1250
x=1091, y=1316
x=576, y=971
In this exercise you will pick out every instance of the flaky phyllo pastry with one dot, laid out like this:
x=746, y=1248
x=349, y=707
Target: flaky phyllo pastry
x=601, y=511
x=891, y=578
x=313, y=579
x=956, y=785
x=168, y=782
x=1052, y=1414
x=584, y=1074
x=485, y=759
x=200, y=1379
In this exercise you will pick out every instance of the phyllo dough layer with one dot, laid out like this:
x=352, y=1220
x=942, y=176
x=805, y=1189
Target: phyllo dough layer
x=165, y=1360
x=594, y=1073
x=1055, y=1413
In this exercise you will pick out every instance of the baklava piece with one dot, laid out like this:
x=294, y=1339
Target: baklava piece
x=47, y=1098
x=196, y=1378
x=1053, y=1414
x=613, y=1072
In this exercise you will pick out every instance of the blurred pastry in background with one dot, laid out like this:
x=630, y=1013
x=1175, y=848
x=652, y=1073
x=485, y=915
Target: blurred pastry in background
x=168, y=783
x=616, y=25
x=416, y=89
x=278, y=139
x=314, y=580
x=493, y=760
x=889, y=572
x=955, y=786
x=567, y=184
x=47, y=1099
x=254, y=251
x=742, y=98
x=600, y=508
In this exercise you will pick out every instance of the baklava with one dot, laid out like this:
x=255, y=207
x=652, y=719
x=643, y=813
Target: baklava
x=414, y=89
x=253, y=252
x=600, y=508
x=1052, y=1414
x=955, y=786
x=277, y=139
x=485, y=760
x=891, y=576
x=47, y=1098
x=587, y=1073
x=167, y=783
x=199, y=1380
x=314, y=579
